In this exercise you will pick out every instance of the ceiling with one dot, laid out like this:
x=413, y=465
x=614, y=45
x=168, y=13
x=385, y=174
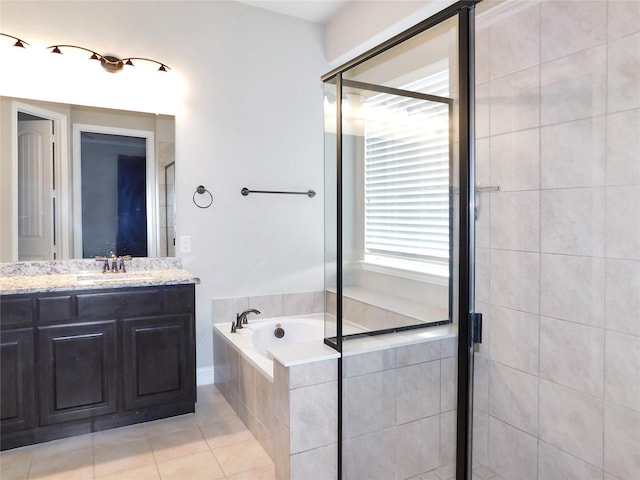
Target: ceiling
x=318, y=11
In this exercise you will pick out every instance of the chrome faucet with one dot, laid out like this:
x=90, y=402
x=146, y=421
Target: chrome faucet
x=241, y=319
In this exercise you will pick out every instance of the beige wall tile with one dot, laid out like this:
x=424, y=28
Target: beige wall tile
x=522, y=294
x=623, y=18
x=313, y=417
x=623, y=222
x=573, y=221
x=572, y=355
x=515, y=42
x=623, y=143
x=515, y=102
x=571, y=421
x=512, y=453
x=417, y=391
x=269, y=305
x=515, y=160
x=623, y=73
x=554, y=463
x=573, y=154
x=574, y=86
x=513, y=398
x=418, y=447
x=622, y=370
x=371, y=456
x=621, y=441
x=369, y=403
x=317, y=464
x=622, y=303
x=587, y=24
x=515, y=221
x=572, y=288
x=507, y=325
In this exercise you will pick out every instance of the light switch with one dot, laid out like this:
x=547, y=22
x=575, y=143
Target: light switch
x=185, y=244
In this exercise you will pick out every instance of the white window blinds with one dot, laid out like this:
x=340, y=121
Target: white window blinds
x=407, y=176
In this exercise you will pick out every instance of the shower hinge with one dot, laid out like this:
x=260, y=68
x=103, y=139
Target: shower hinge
x=475, y=320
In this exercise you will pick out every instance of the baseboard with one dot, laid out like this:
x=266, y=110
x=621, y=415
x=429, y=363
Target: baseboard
x=205, y=376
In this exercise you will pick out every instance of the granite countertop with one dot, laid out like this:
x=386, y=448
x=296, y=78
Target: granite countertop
x=34, y=277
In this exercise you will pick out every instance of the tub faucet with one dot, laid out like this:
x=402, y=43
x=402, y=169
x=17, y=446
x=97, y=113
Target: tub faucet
x=241, y=318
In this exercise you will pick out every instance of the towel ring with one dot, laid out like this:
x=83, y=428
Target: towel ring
x=201, y=190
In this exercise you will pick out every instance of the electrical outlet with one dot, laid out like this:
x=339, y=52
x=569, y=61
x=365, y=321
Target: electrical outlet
x=185, y=244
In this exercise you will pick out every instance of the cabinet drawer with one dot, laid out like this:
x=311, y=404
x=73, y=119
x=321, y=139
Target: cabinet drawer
x=179, y=299
x=16, y=311
x=119, y=304
x=55, y=309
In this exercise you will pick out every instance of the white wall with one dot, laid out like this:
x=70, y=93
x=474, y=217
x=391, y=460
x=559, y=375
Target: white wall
x=364, y=24
x=247, y=97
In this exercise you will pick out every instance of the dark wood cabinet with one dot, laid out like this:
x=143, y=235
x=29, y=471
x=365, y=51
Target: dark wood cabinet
x=158, y=360
x=101, y=359
x=17, y=389
x=77, y=371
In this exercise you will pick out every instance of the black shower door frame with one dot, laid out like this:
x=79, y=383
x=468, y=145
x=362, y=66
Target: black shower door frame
x=469, y=323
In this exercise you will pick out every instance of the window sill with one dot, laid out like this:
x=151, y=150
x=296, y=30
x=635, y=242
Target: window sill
x=431, y=273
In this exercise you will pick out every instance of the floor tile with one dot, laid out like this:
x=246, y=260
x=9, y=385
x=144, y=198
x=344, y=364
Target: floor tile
x=209, y=444
x=123, y=456
x=72, y=465
x=119, y=435
x=241, y=457
x=227, y=433
x=169, y=425
x=262, y=473
x=197, y=466
x=48, y=450
x=146, y=472
x=178, y=444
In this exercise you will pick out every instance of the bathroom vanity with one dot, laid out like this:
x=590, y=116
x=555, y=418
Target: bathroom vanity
x=83, y=353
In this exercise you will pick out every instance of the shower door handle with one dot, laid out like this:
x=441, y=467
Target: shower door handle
x=475, y=319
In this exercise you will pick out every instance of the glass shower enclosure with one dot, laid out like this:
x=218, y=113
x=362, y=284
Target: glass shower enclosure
x=398, y=264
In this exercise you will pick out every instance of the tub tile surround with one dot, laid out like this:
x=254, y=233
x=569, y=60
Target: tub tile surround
x=270, y=306
x=398, y=405
x=557, y=383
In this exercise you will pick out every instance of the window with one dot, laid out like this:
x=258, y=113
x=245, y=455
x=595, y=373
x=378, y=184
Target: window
x=407, y=178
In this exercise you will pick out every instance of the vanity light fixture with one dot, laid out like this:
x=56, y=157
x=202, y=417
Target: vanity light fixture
x=19, y=43
x=109, y=62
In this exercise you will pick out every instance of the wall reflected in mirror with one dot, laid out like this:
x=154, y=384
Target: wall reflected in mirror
x=76, y=185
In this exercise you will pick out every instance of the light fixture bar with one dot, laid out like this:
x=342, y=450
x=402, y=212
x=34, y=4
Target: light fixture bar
x=19, y=42
x=109, y=62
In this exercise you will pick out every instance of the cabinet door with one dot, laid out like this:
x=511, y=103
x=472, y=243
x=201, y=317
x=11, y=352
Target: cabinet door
x=17, y=398
x=158, y=360
x=77, y=371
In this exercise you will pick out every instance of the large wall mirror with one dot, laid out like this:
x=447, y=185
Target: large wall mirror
x=79, y=182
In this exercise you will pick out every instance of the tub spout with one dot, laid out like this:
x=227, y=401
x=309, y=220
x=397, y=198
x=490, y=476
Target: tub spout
x=241, y=318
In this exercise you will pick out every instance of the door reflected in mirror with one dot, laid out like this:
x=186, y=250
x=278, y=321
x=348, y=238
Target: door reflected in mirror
x=113, y=171
x=69, y=195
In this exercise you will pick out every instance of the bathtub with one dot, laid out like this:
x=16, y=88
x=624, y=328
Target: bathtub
x=302, y=341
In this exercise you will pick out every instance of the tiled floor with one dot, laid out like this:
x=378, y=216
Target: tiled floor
x=211, y=444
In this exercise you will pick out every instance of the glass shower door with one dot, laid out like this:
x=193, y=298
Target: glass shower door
x=393, y=141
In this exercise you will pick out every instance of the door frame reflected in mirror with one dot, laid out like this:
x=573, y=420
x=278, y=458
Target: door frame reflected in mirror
x=62, y=221
x=151, y=184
